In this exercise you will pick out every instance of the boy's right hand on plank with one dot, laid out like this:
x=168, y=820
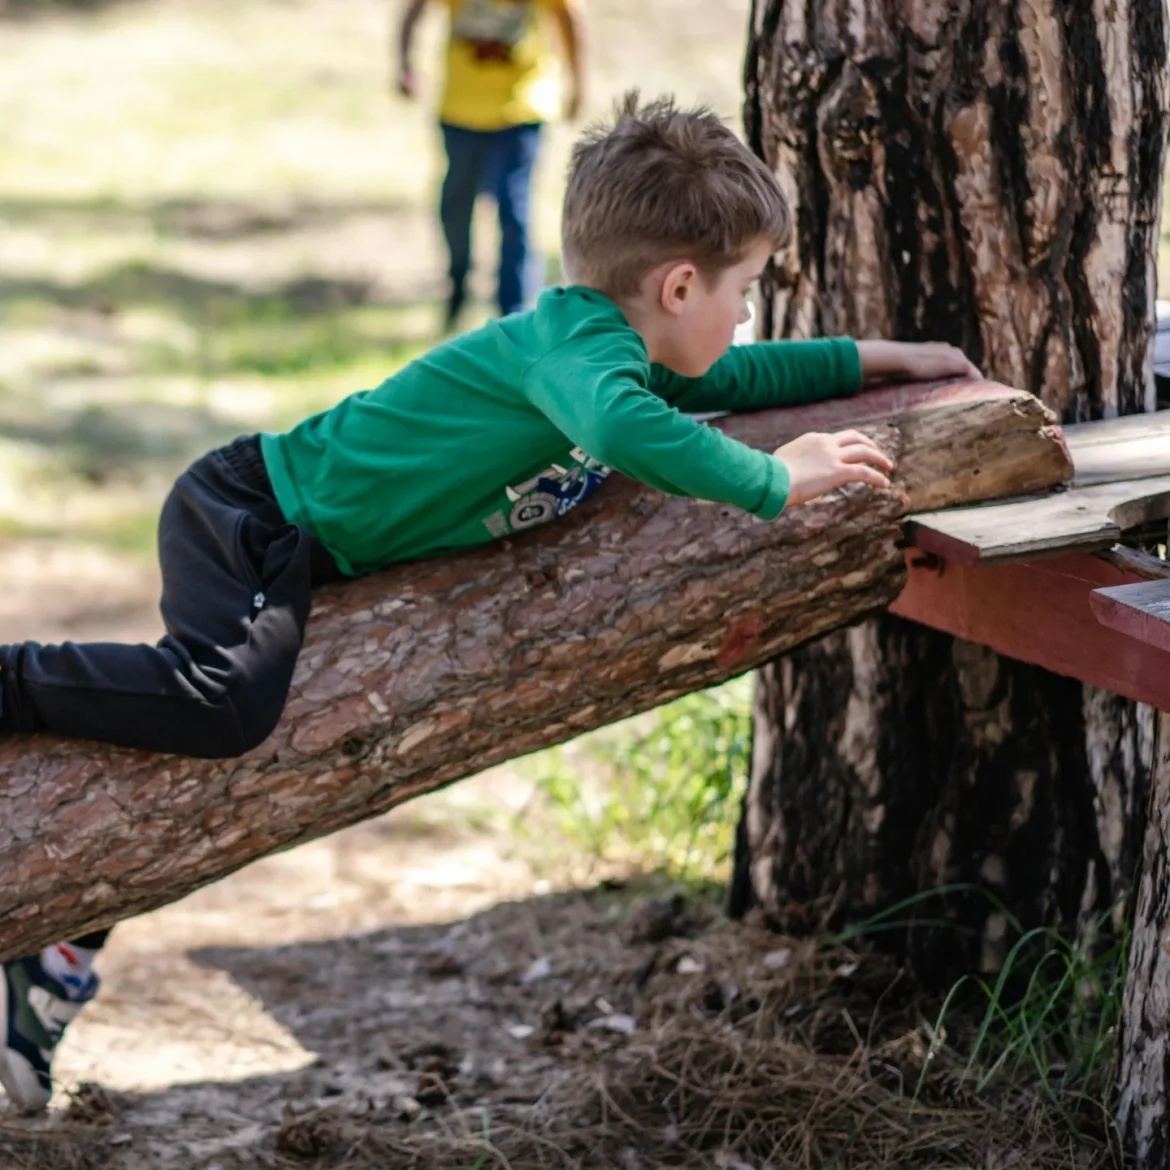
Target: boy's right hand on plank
x=819, y=463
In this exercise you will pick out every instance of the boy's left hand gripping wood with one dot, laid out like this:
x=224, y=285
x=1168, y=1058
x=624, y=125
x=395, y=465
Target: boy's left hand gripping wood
x=426, y=673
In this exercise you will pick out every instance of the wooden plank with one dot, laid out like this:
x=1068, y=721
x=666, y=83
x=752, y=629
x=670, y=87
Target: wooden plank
x=1122, y=429
x=1143, y=566
x=1039, y=612
x=1141, y=611
x=1122, y=479
x=1134, y=447
x=1082, y=520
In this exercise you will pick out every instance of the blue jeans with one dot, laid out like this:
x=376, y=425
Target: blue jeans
x=499, y=162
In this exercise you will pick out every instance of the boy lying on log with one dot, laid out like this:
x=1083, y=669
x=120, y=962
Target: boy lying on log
x=668, y=221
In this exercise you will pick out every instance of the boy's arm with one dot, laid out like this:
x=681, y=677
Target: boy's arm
x=604, y=406
x=609, y=412
x=406, y=81
x=767, y=374
x=568, y=21
x=913, y=361
x=787, y=373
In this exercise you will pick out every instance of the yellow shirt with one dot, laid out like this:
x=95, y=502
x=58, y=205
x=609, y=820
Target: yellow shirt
x=501, y=70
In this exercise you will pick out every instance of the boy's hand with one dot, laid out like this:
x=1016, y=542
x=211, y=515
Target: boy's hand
x=885, y=361
x=819, y=463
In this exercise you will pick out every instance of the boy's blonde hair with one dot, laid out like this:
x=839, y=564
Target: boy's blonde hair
x=658, y=183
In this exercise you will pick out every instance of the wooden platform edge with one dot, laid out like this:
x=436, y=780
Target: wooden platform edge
x=1082, y=520
x=1140, y=611
x=1042, y=611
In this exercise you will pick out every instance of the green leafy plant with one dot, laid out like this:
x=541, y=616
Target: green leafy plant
x=659, y=791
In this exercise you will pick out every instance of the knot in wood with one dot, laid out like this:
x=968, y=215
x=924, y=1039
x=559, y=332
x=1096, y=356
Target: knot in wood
x=354, y=747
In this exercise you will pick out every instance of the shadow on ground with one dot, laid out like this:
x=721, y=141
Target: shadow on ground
x=31, y=9
x=165, y=351
x=583, y=1030
x=198, y=219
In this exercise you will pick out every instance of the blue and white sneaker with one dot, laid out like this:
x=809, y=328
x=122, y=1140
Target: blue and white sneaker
x=35, y=1009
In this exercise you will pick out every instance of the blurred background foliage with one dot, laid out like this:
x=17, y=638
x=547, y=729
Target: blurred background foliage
x=659, y=791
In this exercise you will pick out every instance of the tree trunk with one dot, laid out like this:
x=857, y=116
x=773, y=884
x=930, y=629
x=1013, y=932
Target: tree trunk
x=988, y=174
x=421, y=675
x=1145, y=1050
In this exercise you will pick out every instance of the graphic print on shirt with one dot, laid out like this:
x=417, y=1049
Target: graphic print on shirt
x=548, y=494
x=492, y=28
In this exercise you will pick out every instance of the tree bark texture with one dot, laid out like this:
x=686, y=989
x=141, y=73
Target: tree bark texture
x=988, y=174
x=429, y=672
x=1145, y=1051
x=982, y=172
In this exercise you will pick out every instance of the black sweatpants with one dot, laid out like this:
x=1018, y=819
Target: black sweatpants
x=236, y=586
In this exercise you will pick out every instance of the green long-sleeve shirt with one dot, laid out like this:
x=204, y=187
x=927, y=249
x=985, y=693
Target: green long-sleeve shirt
x=514, y=424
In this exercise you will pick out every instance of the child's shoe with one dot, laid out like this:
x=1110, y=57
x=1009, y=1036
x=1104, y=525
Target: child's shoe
x=34, y=1011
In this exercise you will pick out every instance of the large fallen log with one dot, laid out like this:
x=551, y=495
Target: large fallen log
x=431, y=671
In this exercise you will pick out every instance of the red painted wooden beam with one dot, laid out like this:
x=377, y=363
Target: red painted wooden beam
x=1039, y=611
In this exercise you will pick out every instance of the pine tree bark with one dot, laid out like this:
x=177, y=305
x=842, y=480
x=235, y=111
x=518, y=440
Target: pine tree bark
x=418, y=676
x=988, y=174
x=1144, y=1080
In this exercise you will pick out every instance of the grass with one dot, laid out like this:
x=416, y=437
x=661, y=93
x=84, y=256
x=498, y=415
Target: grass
x=657, y=792
x=1058, y=1027
x=1050, y=1017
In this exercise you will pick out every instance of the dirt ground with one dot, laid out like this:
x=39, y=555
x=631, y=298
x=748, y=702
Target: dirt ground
x=599, y=1028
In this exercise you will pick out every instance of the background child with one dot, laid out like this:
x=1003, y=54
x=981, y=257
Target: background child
x=668, y=221
x=501, y=86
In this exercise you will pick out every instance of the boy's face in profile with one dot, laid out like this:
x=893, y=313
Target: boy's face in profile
x=707, y=311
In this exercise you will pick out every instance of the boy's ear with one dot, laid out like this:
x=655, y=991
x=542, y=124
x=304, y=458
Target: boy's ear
x=678, y=286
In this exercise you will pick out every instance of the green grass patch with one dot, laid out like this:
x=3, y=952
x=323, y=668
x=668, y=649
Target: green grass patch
x=660, y=791
x=1050, y=1016
x=134, y=533
x=285, y=346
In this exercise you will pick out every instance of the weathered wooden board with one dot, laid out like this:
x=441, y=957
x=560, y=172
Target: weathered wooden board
x=1082, y=520
x=1140, y=611
x=1121, y=480
x=1040, y=611
x=1134, y=447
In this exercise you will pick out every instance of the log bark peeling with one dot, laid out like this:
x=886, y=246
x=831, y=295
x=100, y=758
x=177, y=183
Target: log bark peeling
x=426, y=673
